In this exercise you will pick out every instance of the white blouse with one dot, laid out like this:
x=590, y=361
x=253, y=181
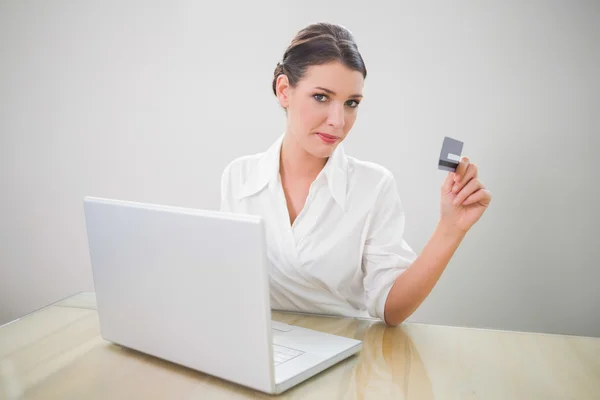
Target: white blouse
x=344, y=250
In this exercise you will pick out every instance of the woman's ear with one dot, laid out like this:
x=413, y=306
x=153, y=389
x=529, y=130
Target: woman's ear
x=283, y=90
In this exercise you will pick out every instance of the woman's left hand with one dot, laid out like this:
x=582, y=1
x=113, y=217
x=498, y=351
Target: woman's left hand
x=464, y=197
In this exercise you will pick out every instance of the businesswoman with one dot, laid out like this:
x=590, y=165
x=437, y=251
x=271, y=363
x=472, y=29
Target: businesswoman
x=335, y=224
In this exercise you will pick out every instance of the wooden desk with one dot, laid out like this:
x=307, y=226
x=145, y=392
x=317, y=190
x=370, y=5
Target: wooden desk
x=57, y=353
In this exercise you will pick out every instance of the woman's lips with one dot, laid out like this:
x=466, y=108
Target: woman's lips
x=329, y=139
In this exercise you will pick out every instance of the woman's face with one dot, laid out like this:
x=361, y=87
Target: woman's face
x=322, y=108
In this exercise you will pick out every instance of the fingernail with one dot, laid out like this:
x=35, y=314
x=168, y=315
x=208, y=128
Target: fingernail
x=455, y=188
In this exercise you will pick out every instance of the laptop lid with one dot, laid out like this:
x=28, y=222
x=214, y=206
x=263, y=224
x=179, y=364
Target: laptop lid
x=185, y=285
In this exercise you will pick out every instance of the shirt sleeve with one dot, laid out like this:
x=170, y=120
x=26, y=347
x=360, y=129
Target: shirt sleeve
x=226, y=189
x=386, y=254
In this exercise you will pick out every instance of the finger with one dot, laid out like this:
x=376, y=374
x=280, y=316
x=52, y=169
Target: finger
x=461, y=168
x=482, y=196
x=471, y=173
x=448, y=182
x=468, y=190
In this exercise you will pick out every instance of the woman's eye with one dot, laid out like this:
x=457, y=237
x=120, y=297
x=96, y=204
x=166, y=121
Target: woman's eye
x=352, y=103
x=320, y=97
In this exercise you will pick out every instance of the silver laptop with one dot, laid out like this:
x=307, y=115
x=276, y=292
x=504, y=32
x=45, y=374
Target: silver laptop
x=191, y=287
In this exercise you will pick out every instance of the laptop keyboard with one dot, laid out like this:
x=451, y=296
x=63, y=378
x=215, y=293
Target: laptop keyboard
x=282, y=354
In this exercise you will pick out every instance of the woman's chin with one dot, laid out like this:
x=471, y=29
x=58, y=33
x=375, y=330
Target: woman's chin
x=322, y=151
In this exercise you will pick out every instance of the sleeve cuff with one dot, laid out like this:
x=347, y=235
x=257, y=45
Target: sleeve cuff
x=382, y=300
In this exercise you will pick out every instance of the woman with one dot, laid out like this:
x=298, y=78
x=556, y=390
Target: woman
x=335, y=224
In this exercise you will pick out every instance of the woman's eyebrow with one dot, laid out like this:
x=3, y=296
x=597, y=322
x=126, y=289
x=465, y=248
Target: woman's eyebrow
x=331, y=92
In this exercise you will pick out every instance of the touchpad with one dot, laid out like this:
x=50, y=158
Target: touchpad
x=280, y=326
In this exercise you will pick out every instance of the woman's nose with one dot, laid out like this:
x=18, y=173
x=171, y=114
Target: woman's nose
x=336, y=116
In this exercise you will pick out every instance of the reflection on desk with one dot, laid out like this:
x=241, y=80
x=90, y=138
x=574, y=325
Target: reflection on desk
x=57, y=353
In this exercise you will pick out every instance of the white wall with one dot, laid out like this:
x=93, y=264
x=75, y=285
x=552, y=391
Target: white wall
x=148, y=101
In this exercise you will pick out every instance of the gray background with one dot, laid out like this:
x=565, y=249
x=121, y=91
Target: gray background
x=148, y=101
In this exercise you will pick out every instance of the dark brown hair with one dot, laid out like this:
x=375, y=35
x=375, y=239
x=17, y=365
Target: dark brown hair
x=317, y=44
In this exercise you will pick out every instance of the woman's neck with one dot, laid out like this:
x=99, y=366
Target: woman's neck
x=297, y=162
